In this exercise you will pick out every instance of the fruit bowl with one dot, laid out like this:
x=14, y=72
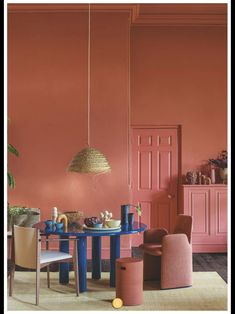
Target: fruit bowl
x=92, y=221
x=113, y=223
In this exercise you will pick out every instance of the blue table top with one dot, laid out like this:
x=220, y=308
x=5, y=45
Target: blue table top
x=79, y=231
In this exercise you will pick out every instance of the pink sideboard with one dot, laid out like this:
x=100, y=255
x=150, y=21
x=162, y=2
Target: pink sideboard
x=207, y=204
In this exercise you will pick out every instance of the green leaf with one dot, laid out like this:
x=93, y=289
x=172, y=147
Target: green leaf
x=11, y=180
x=138, y=210
x=12, y=150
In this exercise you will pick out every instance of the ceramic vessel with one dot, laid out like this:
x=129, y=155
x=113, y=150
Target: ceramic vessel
x=124, y=214
x=223, y=174
x=113, y=223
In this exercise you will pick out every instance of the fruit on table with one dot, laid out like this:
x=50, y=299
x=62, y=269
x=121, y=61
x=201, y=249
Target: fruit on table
x=91, y=221
x=106, y=215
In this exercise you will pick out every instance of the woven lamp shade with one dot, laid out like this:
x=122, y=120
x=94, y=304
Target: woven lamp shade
x=89, y=160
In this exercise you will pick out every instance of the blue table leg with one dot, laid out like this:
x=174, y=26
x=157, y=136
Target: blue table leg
x=64, y=267
x=96, y=257
x=114, y=254
x=82, y=262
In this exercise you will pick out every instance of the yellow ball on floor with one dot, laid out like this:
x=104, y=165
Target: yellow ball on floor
x=117, y=303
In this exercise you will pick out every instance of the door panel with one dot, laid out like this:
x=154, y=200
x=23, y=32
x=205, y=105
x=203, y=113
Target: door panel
x=154, y=173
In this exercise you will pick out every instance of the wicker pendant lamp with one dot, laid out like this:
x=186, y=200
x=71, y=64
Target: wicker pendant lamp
x=89, y=159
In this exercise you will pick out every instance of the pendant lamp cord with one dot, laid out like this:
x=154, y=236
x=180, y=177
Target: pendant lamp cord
x=88, y=75
x=129, y=115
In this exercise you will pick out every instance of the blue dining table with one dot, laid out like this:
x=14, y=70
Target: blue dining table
x=81, y=234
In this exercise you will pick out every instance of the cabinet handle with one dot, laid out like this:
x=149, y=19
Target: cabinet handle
x=170, y=196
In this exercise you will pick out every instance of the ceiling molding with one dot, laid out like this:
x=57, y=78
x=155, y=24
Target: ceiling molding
x=211, y=15
x=54, y=8
x=181, y=15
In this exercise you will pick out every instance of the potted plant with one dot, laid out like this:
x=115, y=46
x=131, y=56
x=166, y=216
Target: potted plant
x=17, y=214
x=11, y=181
x=23, y=216
x=221, y=163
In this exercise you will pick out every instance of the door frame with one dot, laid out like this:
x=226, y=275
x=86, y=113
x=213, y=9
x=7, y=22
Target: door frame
x=178, y=128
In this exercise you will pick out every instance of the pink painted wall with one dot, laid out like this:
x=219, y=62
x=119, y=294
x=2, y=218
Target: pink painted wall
x=178, y=77
x=47, y=106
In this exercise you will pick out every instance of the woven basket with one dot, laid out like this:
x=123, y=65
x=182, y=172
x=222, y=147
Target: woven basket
x=74, y=216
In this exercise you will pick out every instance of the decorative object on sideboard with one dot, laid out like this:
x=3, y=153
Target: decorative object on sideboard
x=89, y=159
x=199, y=177
x=213, y=180
x=221, y=162
x=223, y=174
x=191, y=177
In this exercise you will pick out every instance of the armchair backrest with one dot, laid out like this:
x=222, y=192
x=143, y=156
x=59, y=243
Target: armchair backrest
x=154, y=235
x=184, y=225
x=25, y=246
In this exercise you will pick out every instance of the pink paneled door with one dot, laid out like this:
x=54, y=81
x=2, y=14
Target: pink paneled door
x=154, y=176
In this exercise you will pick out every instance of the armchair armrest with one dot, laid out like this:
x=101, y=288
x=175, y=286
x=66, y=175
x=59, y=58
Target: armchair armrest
x=176, y=240
x=154, y=235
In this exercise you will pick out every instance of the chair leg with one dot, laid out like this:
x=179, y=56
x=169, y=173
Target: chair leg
x=12, y=273
x=37, y=284
x=48, y=276
x=75, y=266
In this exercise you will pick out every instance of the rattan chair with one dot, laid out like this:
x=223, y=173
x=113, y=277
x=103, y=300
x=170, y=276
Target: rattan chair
x=26, y=252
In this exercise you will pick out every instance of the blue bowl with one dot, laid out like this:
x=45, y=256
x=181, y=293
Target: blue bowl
x=49, y=224
x=98, y=225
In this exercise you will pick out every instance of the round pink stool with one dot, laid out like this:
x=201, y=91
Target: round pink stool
x=129, y=280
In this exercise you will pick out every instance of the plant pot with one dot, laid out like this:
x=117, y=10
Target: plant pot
x=223, y=174
x=19, y=220
x=33, y=217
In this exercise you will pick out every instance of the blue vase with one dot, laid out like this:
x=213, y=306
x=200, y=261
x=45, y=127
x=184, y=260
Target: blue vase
x=124, y=214
x=131, y=219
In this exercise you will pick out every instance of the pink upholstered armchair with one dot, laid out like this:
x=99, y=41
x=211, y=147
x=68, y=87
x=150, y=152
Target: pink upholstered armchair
x=168, y=257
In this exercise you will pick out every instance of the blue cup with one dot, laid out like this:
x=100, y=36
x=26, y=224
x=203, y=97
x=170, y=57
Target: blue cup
x=49, y=224
x=59, y=226
x=124, y=214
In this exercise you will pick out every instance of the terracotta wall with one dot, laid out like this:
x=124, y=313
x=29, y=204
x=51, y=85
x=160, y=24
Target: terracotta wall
x=47, y=106
x=179, y=77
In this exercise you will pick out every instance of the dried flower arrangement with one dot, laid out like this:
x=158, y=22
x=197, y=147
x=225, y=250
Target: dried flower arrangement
x=220, y=161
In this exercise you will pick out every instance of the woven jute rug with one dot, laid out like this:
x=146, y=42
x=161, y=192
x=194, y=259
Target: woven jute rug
x=209, y=292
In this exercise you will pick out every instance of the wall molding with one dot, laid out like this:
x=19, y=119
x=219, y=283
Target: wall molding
x=166, y=15
x=181, y=15
x=55, y=8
